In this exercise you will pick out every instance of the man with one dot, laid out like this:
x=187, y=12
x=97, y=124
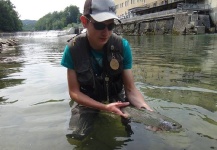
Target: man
x=99, y=66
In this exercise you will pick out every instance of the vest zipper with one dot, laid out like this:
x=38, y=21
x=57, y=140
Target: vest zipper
x=107, y=87
x=94, y=84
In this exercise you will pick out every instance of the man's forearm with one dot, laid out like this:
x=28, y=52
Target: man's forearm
x=136, y=99
x=85, y=100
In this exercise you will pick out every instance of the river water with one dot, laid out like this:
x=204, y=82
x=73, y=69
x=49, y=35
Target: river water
x=176, y=74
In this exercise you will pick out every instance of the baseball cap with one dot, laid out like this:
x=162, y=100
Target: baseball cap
x=100, y=10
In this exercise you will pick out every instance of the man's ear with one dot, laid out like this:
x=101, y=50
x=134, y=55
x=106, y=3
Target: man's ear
x=84, y=21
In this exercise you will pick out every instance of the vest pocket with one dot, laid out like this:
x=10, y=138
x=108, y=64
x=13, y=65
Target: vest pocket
x=85, y=76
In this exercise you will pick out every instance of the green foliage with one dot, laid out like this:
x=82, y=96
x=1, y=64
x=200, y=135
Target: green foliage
x=71, y=13
x=29, y=25
x=10, y=22
x=9, y=19
x=59, y=20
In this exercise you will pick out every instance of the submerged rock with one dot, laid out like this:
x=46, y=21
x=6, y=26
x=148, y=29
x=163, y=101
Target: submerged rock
x=5, y=45
x=7, y=42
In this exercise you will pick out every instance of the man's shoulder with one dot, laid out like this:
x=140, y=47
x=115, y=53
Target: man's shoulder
x=114, y=35
x=123, y=40
x=76, y=39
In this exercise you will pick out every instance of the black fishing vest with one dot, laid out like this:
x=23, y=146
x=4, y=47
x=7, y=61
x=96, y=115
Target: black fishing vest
x=108, y=85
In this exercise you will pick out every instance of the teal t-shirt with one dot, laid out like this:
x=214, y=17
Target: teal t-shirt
x=67, y=60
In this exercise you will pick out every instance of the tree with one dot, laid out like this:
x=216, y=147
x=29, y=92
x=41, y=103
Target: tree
x=59, y=20
x=9, y=18
x=71, y=13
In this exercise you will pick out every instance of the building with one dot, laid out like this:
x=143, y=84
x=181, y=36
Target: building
x=122, y=6
x=130, y=8
x=201, y=14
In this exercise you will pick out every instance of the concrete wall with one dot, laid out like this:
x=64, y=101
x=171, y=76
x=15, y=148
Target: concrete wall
x=213, y=15
x=147, y=27
x=204, y=20
x=181, y=23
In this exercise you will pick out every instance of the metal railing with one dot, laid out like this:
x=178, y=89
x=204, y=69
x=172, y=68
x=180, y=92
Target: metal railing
x=188, y=6
x=165, y=13
x=160, y=3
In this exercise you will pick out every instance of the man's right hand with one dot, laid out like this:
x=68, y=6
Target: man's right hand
x=115, y=108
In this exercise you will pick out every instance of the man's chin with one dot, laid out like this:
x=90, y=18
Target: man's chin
x=103, y=41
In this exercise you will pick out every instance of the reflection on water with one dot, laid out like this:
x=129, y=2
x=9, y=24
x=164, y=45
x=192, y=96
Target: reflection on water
x=172, y=60
x=179, y=69
x=176, y=74
x=9, y=64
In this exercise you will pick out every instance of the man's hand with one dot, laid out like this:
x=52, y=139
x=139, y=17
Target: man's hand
x=115, y=108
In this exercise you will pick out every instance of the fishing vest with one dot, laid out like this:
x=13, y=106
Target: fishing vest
x=108, y=85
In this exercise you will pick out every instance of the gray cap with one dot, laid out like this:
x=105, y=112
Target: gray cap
x=100, y=10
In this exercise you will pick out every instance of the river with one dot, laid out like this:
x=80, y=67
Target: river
x=176, y=74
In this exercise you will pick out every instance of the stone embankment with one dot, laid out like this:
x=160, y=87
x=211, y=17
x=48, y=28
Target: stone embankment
x=172, y=21
x=6, y=43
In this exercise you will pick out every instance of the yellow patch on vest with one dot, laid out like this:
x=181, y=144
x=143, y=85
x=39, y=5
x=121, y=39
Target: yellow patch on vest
x=73, y=41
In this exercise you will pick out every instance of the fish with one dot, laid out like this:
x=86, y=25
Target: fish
x=151, y=119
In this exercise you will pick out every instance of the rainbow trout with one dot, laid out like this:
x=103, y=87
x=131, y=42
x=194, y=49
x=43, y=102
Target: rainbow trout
x=152, y=120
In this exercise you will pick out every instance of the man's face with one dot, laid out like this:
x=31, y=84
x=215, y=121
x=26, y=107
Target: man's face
x=99, y=32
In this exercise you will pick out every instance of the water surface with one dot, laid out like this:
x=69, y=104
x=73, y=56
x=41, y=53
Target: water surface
x=176, y=74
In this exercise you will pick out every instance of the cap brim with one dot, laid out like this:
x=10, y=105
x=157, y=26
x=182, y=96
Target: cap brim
x=100, y=17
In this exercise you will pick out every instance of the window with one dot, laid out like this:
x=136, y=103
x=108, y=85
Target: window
x=121, y=5
x=126, y=3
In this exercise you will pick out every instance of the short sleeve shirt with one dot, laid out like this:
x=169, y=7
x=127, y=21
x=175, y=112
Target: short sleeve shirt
x=67, y=60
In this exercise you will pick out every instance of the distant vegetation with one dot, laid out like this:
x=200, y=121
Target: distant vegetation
x=9, y=19
x=10, y=22
x=59, y=20
x=29, y=25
